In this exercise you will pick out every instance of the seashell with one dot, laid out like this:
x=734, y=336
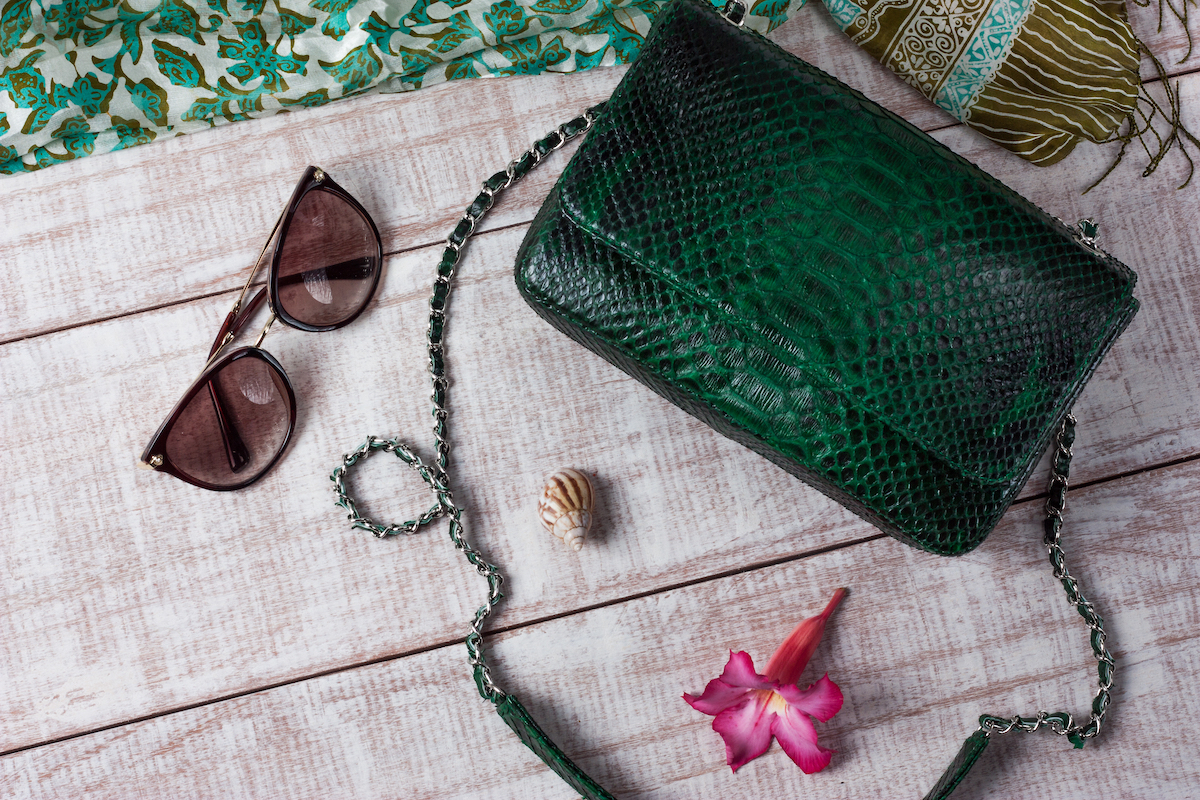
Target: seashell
x=566, y=506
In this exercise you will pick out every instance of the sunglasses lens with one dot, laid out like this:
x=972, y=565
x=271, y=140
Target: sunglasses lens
x=232, y=429
x=328, y=262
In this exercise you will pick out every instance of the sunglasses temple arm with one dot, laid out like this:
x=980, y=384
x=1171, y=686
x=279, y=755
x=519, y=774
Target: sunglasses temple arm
x=235, y=320
x=235, y=448
x=354, y=269
x=238, y=316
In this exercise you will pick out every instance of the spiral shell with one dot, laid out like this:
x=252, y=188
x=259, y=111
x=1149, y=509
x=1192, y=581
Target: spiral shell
x=566, y=506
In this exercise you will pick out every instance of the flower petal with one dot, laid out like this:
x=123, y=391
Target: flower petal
x=717, y=697
x=730, y=688
x=798, y=738
x=823, y=699
x=740, y=672
x=746, y=729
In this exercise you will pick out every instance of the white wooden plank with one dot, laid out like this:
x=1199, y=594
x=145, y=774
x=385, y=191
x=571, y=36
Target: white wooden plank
x=151, y=595
x=129, y=593
x=1165, y=37
x=140, y=228
x=920, y=648
x=554, y=405
x=1147, y=224
x=184, y=218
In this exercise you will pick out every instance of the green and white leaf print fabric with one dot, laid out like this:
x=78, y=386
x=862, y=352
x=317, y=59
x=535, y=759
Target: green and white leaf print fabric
x=91, y=76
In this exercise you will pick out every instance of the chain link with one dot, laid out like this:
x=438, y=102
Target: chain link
x=1061, y=722
x=436, y=476
x=344, y=500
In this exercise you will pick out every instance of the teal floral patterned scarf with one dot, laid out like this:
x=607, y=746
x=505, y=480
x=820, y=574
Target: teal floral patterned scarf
x=91, y=76
x=79, y=77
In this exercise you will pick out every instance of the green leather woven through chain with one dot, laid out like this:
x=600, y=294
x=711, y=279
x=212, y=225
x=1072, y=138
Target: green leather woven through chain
x=819, y=280
x=517, y=718
x=954, y=775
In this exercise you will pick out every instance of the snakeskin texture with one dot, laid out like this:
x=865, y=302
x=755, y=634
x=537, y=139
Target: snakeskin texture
x=954, y=775
x=522, y=724
x=822, y=282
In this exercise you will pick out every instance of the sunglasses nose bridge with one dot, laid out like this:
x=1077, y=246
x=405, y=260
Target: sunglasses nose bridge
x=240, y=312
x=237, y=318
x=263, y=333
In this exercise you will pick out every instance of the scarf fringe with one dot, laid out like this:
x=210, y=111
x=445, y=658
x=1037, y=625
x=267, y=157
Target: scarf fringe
x=1140, y=124
x=1179, y=10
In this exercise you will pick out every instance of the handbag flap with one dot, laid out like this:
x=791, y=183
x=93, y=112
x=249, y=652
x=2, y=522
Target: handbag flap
x=846, y=242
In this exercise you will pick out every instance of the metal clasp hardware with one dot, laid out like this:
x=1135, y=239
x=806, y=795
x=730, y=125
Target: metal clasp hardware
x=735, y=12
x=1087, y=229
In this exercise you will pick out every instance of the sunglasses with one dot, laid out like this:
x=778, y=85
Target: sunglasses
x=236, y=419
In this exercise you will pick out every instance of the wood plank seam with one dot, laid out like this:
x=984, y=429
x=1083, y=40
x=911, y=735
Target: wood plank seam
x=485, y=229
x=387, y=254
x=547, y=618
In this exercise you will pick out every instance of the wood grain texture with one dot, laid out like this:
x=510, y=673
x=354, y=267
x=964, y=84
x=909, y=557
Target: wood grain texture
x=141, y=228
x=213, y=595
x=920, y=648
x=210, y=594
x=128, y=595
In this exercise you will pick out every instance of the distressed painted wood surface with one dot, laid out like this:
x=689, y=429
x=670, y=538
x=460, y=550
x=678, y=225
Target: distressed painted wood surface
x=129, y=596
x=153, y=556
x=152, y=226
x=920, y=648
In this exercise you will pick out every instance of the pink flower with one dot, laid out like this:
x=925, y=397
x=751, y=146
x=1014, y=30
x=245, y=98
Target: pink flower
x=749, y=708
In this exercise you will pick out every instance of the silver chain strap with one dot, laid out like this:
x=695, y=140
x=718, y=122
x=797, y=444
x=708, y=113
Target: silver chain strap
x=1061, y=722
x=436, y=476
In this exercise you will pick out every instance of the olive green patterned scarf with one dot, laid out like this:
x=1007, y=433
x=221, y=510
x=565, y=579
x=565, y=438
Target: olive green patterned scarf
x=79, y=77
x=1034, y=76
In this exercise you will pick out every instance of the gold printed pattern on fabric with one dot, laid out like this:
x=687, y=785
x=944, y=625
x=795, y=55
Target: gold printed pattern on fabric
x=1034, y=76
x=921, y=41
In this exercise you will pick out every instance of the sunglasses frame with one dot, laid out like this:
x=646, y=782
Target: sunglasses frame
x=315, y=178
x=155, y=457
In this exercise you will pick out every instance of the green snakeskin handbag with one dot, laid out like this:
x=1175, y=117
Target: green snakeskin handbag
x=818, y=280
x=822, y=282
